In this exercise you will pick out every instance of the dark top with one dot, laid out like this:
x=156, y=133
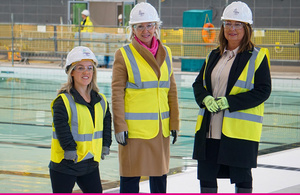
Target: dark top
x=65, y=138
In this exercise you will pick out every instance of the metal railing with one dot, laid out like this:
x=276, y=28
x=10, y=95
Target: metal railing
x=25, y=42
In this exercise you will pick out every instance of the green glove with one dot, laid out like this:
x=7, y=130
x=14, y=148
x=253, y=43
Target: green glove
x=222, y=103
x=210, y=103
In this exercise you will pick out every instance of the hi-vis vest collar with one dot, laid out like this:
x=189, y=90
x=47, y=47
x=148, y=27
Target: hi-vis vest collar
x=137, y=76
x=74, y=122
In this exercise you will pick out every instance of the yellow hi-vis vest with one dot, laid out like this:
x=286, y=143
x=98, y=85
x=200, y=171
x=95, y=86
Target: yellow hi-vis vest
x=87, y=136
x=243, y=124
x=146, y=96
x=88, y=25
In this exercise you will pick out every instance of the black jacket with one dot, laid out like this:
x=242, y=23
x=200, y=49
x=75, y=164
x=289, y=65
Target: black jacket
x=65, y=138
x=232, y=152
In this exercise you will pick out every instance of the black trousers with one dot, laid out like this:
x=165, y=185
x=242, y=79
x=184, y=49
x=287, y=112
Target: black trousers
x=209, y=170
x=64, y=183
x=131, y=184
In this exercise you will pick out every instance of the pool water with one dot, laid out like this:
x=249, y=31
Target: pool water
x=25, y=130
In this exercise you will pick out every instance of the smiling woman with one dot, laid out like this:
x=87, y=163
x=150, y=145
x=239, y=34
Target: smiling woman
x=82, y=76
x=230, y=90
x=143, y=69
x=144, y=32
x=234, y=33
x=79, y=111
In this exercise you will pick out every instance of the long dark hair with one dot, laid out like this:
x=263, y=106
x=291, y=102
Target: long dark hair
x=246, y=43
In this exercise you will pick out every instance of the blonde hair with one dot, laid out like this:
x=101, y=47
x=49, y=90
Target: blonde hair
x=66, y=87
x=156, y=33
x=246, y=43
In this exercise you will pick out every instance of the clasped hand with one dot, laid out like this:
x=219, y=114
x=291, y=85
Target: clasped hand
x=222, y=103
x=215, y=105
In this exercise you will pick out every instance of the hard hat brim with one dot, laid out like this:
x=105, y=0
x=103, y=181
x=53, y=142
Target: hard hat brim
x=143, y=21
x=234, y=19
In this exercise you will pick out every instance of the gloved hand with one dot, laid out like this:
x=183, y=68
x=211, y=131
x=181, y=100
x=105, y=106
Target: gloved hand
x=121, y=137
x=174, y=134
x=222, y=103
x=211, y=104
x=105, y=151
x=71, y=155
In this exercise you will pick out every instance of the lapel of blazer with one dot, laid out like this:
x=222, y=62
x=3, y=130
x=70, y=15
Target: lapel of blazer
x=212, y=61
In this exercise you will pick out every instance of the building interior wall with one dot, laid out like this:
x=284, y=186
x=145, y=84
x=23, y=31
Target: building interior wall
x=266, y=13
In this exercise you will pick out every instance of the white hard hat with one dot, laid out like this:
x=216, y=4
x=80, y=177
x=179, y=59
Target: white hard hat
x=120, y=16
x=85, y=12
x=143, y=12
x=238, y=11
x=79, y=53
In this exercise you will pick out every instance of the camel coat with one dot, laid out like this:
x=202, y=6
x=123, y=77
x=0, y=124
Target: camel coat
x=142, y=157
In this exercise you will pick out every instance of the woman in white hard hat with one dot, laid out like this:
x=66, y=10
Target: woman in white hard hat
x=120, y=20
x=230, y=90
x=144, y=103
x=81, y=127
x=86, y=23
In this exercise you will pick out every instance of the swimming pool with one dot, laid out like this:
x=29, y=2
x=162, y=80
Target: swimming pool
x=25, y=130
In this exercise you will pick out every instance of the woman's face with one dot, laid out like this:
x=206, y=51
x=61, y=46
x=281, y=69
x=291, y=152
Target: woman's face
x=144, y=32
x=234, y=32
x=83, y=73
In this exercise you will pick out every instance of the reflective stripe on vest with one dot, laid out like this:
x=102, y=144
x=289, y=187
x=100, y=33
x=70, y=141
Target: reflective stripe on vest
x=146, y=116
x=244, y=116
x=201, y=112
x=74, y=122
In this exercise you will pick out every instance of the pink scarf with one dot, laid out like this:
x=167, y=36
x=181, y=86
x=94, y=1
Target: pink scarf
x=154, y=45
